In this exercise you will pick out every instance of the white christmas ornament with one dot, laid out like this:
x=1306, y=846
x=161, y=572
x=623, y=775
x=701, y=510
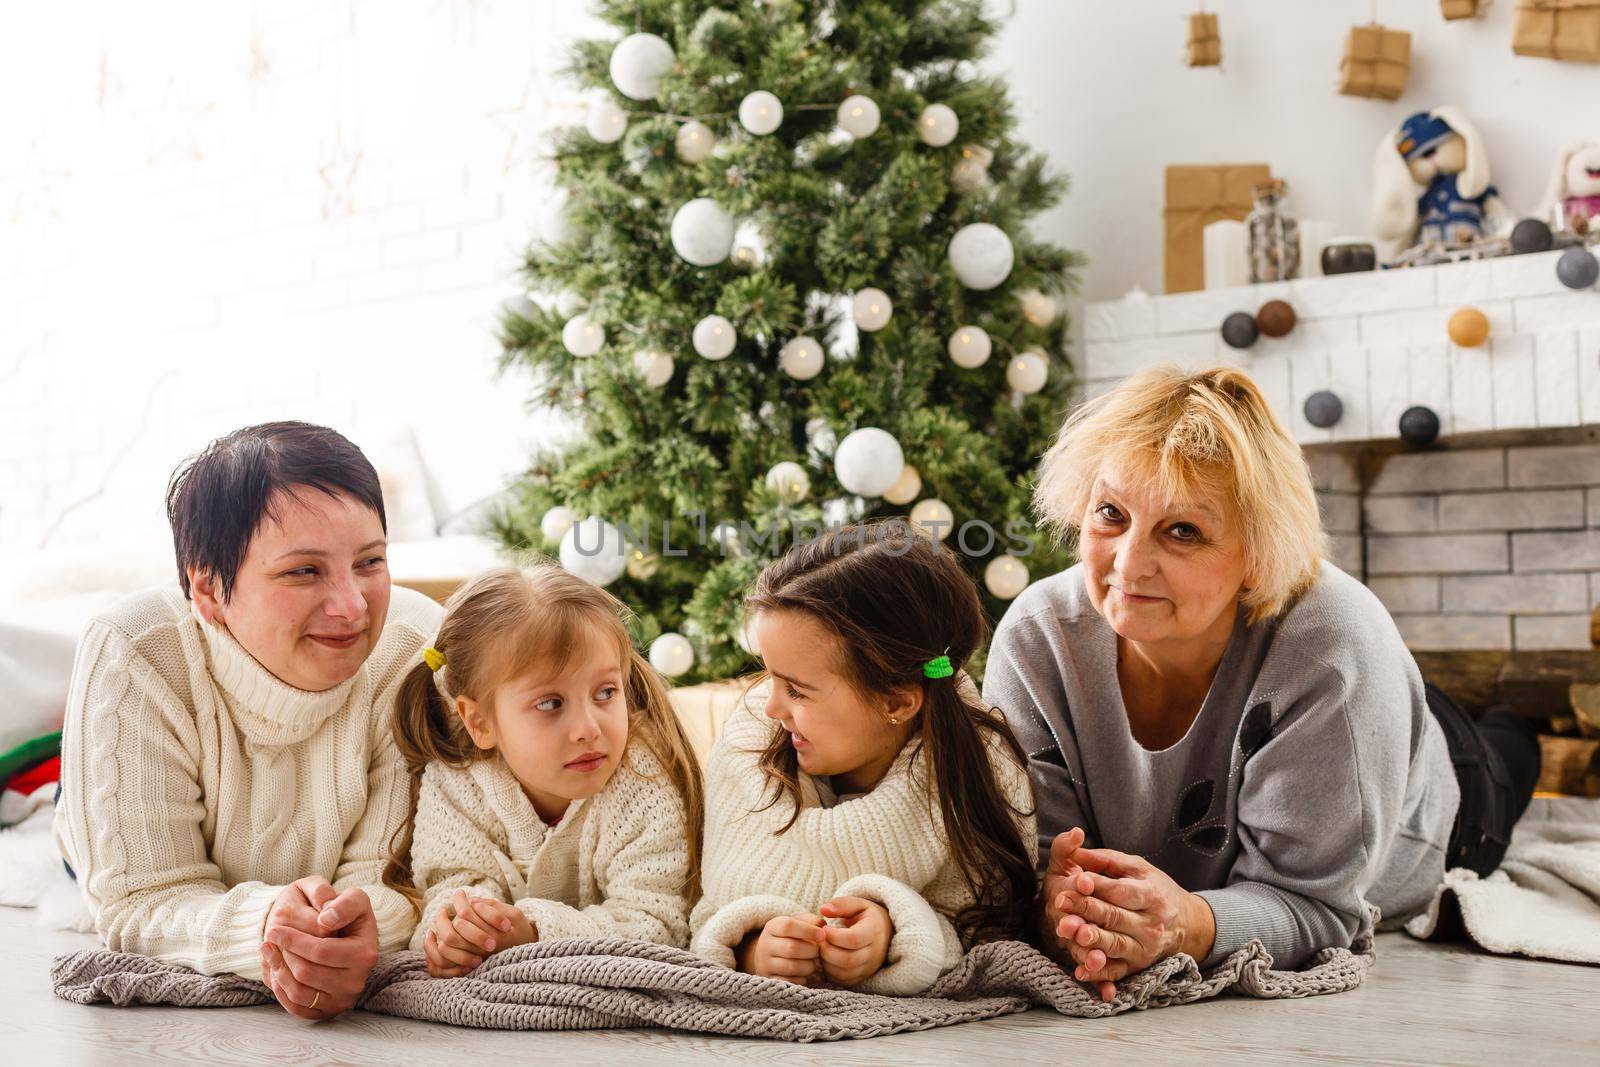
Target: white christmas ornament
x=1005, y=576
x=981, y=255
x=556, y=522
x=702, y=232
x=971, y=172
x=583, y=336
x=569, y=303
x=801, y=359
x=593, y=549
x=868, y=461
x=520, y=306
x=933, y=517
x=970, y=347
x=790, y=481
x=637, y=64
x=694, y=141
x=1028, y=371
x=714, y=337
x=671, y=654
x=760, y=112
x=606, y=122
x=643, y=565
x=905, y=488
x=937, y=125
x=871, y=309
x=822, y=439
x=654, y=366
x=746, y=637
x=858, y=116
x=1038, y=308
x=725, y=535
x=558, y=225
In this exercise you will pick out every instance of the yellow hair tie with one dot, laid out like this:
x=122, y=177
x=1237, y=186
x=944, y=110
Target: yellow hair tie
x=433, y=658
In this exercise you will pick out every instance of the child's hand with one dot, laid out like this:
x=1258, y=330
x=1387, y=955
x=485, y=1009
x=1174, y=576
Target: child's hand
x=786, y=948
x=515, y=928
x=854, y=952
x=460, y=939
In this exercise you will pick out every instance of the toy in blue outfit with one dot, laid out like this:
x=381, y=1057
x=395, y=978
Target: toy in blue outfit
x=1431, y=183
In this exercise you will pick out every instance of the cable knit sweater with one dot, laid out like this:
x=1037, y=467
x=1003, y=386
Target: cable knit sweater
x=887, y=846
x=196, y=785
x=616, y=865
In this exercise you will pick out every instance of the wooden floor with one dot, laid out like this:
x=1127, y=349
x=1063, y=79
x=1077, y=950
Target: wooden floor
x=1421, y=1004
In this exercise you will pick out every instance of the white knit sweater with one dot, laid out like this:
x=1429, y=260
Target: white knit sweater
x=616, y=865
x=196, y=785
x=887, y=846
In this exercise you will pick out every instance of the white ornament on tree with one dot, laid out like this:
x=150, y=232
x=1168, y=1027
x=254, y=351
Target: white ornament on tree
x=970, y=347
x=868, y=461
x=558, y=226
x=801, y=358
x=1028, y=371
x=1038, y=308
x=871, y=309
x=971, y=172
x=714, y=337
x=790, y=481
x=933, y=517
x=654, y=366
x=702, y=232
x=937, y=125
x=569, y=303
x=694, y=141
x=556, y=522
x=821, y=437
x=905, y=488
x=594, y=550
x=760, y=112
x=859, y=116
x=671, y=654
x=583, y=336
x=725, y=535
x=643, y=565
x=746, y=637
x=637, y=64
x=981, y=255
x=605, y=121
x=1005, y=576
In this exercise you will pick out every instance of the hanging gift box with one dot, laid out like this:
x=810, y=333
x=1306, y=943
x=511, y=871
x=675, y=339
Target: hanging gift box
x=1459, y=9
x=1558, y=29
x=1377, y=62
x=1205, y=41
x=1196, y=197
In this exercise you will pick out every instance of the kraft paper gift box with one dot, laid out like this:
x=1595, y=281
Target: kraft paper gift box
x=1377, y=62
x=1197, y=196
x=1558, y=29
x=1459, y=9
x=1205, y=42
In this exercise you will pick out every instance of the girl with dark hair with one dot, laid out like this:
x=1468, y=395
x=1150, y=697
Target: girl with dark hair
x=868, y=818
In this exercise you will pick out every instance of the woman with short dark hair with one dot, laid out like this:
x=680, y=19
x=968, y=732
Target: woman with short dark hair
x=230, y=781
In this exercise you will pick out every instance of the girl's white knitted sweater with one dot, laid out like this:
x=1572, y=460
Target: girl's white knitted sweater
x=615, y=865
x=887, y=846
x=196, y=785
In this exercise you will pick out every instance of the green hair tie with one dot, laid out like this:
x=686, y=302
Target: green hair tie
x=938, y=667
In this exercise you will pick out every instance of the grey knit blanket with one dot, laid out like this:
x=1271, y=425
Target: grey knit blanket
x=586, y=984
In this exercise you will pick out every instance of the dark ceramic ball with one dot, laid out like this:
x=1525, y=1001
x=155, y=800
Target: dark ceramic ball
x=1577, y=268
x=1275, y=319
x=1531, y=235
x=1323, y=409
x=1239, y=329
x=1419, y=426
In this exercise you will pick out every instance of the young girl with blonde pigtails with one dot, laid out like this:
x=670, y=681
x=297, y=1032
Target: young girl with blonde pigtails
x=868, y=818
x=554, y=792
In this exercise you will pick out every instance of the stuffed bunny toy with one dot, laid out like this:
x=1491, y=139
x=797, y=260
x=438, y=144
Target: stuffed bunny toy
x=1575, y=187
x=1431, y=183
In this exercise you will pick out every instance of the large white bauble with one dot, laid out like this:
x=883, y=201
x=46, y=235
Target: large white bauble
x=981, y=255
x=868, y=461
x=746, y=636
x=933, y=517
x=871, y=309
x=1028, y=371
x=905, y=488
x=671, y=654
x=605, y=121
x=937, y=125
x=694, y=141
x=801, y=358
x=968, y=177
x=702, y=232
x=654, y=366
x=556, y=522
x=859, y=116
x=714, y=337
x=557, y=225
x=1038, y=308
x=593, y=550
x=569, y=303
x=1005, y=576
x=790, y=481
x=760, y=112
x=725, y=535
x=637, y=64
x=970, y=347
x=583, y=336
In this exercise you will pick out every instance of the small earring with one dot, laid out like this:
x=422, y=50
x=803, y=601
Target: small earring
x=893, y=721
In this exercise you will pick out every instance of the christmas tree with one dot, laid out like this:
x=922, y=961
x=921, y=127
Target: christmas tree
x=789, y=285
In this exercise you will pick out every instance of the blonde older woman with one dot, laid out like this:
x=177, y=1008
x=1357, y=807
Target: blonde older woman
x=1228, y=739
